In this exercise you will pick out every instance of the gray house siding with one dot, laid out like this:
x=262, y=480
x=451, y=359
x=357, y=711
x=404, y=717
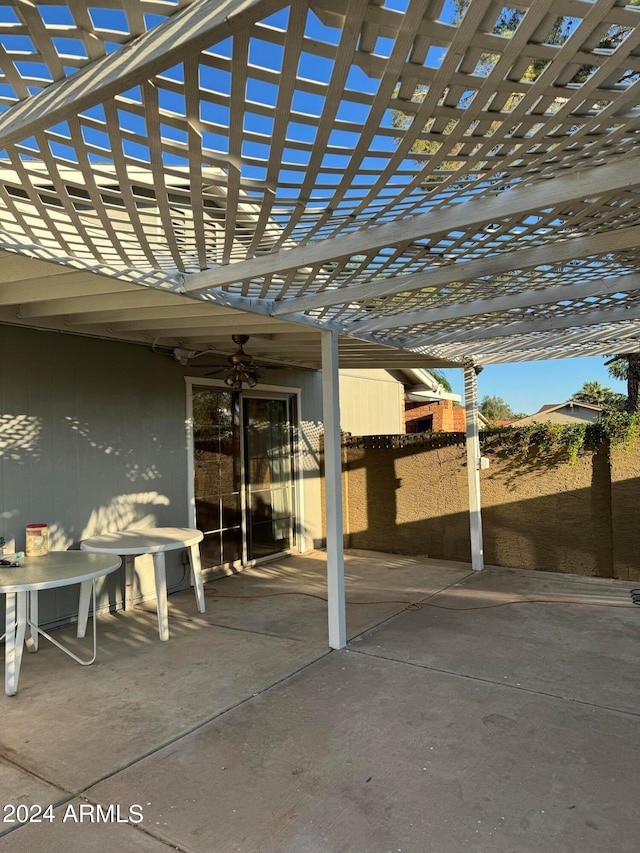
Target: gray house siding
x=93, y=437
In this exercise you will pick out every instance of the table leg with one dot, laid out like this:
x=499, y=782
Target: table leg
x=129, y=580
x=32, y=639
x=83, y=607
x=63, y=648
x=196, y=575
x=160, y=572
x=16, y=620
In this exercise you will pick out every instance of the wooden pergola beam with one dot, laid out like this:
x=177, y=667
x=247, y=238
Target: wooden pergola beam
x=518, y=201
x=544, y=355
x=457, y=341
x=547, y=340
x=565, y=249
x=509, y=302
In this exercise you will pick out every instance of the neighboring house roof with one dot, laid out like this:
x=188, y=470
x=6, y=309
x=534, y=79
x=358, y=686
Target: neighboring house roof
x=576, y=403
x=549, y=409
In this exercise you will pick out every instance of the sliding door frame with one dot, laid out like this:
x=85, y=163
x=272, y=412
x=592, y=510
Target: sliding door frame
x=262, y=391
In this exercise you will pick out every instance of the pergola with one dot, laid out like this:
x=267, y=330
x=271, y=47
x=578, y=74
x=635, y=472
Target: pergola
x=375, y=183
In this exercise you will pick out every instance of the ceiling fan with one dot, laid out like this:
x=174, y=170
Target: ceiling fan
x=241, y=370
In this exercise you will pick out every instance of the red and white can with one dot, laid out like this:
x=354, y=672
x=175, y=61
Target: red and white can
x=37, y=544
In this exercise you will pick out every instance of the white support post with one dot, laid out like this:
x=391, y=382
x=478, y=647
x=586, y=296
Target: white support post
x=473, y=465
x=333, y=491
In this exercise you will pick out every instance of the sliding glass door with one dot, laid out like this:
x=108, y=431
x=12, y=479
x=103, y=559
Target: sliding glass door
x=218, y=475
x=243, y=466
x=269, y=481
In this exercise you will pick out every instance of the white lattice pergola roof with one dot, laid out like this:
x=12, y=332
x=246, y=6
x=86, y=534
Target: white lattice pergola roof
x=433, y=187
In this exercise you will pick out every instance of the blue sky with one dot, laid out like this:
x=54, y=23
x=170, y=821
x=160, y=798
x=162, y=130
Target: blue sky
x=528, y=386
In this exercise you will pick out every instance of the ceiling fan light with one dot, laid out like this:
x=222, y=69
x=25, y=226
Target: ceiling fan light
x=242, y=370
x=231, y=382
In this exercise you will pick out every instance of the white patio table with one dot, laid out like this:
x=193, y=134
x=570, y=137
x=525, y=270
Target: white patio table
x=21, y=584
x=155, y=541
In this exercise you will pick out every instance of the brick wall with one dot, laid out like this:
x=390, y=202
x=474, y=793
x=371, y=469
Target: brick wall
x=446, y=416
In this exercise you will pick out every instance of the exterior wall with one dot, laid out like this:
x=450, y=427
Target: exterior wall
x=93, y=438
x=570, y=415
x=581, y=519
x=566, y=415
x=625, y=510
x=371, y=403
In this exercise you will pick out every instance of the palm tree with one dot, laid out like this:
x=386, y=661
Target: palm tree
x=598, y=394
x=627, y=366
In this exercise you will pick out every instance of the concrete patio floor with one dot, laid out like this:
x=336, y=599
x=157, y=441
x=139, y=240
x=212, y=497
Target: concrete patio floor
x=459, y=725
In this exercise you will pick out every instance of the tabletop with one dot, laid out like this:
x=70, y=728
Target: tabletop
x=57, y=568
x=142, y=540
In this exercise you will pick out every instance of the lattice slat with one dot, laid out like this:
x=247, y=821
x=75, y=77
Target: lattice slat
x=291, y=125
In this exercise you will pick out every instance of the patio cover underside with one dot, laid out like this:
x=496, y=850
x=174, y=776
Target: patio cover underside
x=433, y=182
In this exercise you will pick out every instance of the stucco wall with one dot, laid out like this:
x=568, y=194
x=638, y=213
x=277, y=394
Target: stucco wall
x=565, y=518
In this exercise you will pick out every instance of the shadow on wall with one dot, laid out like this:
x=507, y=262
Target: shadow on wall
x=92, y=439
x=566, y=518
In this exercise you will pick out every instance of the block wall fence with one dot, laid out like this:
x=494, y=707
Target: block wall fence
x=408, y=495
